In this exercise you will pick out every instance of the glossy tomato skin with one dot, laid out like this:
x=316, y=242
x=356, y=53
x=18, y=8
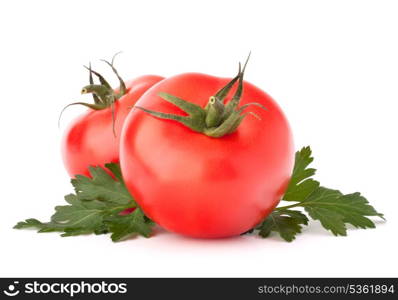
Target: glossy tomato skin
x=89, y=139
x=200, y=186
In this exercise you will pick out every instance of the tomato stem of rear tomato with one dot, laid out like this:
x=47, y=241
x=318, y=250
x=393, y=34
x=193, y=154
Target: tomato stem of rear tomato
x=103, y=94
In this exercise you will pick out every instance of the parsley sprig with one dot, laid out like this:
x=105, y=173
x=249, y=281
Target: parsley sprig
x=331, y=207
x=95, y=207
x=98, y=201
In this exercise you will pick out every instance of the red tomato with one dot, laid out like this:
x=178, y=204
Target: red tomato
x=201, y=186
x=89, y=140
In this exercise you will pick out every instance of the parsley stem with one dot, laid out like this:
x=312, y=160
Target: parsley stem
x=288, y=206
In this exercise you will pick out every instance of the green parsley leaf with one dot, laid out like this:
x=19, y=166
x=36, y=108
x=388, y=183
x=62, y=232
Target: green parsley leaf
x=101, y=186
x=332, y=208
x=285, y=222
x=301, y=185
x=95, y=208
x=34, y=223
x=116, y=171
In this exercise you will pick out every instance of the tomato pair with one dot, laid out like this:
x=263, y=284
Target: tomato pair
x=203, y=156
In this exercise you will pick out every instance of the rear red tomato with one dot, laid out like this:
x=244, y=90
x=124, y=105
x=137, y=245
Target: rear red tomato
x=202, y=186
x=90, y=140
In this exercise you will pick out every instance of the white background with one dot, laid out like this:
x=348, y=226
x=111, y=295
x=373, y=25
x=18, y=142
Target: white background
x=331, y=65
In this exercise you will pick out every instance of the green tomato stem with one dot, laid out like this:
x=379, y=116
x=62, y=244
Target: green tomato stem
x=216, y=119
x=288, y=206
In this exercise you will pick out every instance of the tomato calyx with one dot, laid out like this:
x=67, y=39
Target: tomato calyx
x=216, y=119
x=103, y=94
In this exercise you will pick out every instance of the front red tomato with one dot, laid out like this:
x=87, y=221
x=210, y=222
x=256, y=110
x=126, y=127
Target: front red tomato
x=198, y=185
x=90, y=139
